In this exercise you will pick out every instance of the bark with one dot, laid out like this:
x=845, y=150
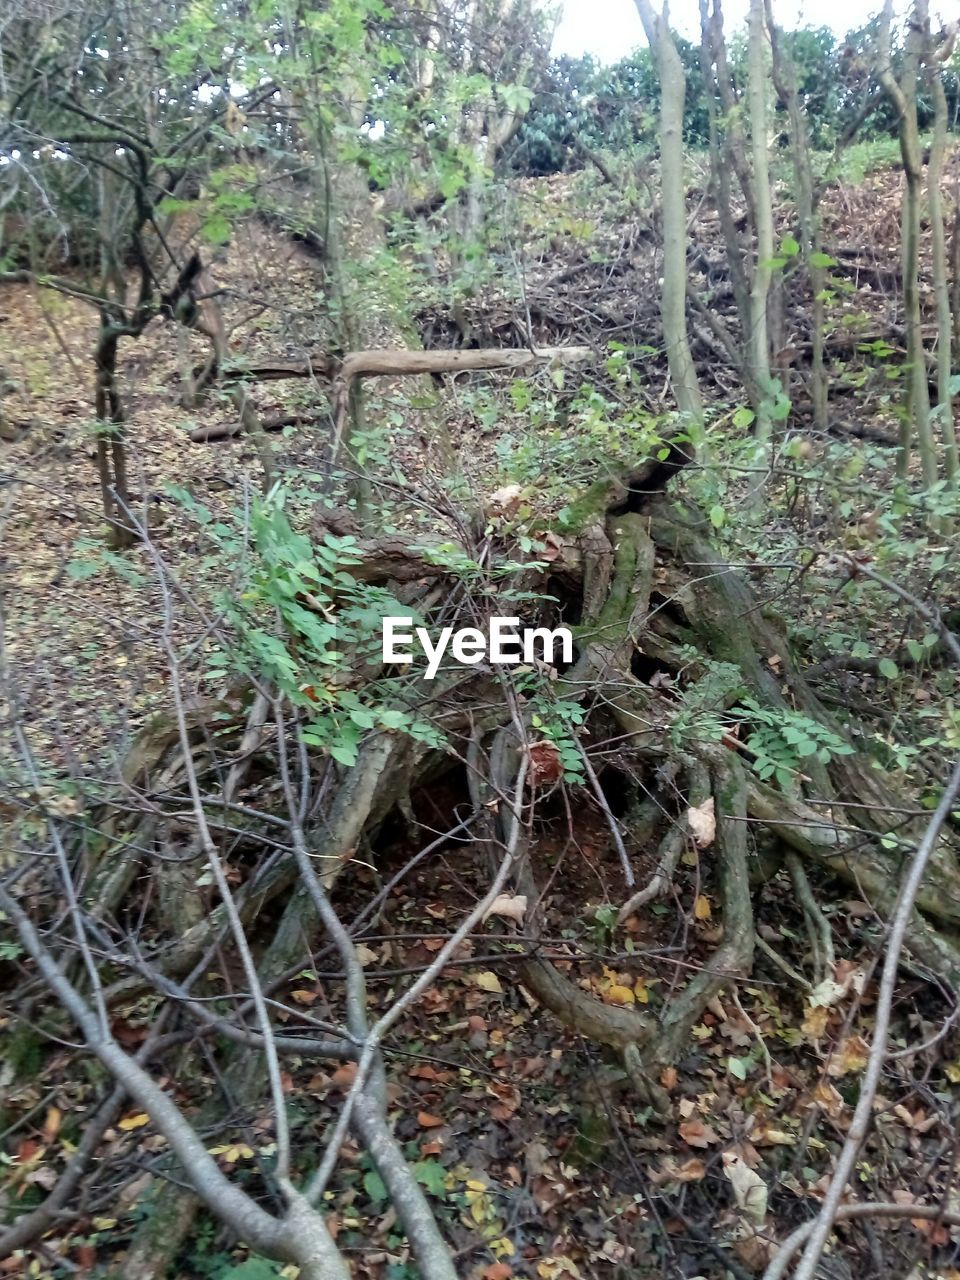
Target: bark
x=938, y=240
x=673, y=304
x=618, y=561
x=811, y=245
x=758, y=338
x=903, y=96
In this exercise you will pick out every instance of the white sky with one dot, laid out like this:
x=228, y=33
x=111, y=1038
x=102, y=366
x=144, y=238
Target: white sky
x=610, y=29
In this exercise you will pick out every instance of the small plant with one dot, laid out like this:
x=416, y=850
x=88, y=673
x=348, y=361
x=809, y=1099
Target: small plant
x=303, y=624
x=557, y=721
x=781, y=740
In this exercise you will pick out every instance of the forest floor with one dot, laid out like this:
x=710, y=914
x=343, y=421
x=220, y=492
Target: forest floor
x=537, y=1163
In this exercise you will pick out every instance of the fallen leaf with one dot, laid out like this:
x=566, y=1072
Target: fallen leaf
x=303, y=996
x=558, y=1268
x=749, y=1189
x=697, y=1134
x=51, y=1124
x=427, y=1121
x=815, y=1021
x=701, y=908
x=488, y=981
x=826, y=993
x=344, y=1076
x=850, y=1055
x=691, y=1170
x=135, y=1121
x=512, y=906
x=619, y=994
x=702, y=820
x=506, y=500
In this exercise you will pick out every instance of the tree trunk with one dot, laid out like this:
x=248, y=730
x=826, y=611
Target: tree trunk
x=903, y=95
x=673, y=304
x=938, y=240
x=758, y=338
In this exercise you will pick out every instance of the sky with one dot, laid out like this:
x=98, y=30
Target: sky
x=610, y=29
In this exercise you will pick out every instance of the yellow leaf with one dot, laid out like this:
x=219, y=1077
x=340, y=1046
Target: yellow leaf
x=701, y=908
x=103, y=1224
x=51, y=1125
x=851, y=1055
x=136, y=1121
x=641, y=991
x=556, y=1267
x=474, y=1184
x=815, y=1021
x=619, y=994
x=488, y=981
x=502, y=1248
x=232, y=1152
x=953, y=1072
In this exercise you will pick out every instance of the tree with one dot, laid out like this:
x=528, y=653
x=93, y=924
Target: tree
x=903, y=95
x=673, y=307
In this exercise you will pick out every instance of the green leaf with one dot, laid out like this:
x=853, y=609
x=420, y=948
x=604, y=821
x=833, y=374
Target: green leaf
x=888, y=668
x=822, y=260
x=789, y=248
x=374, y=1187
x=430, y=1174
x=738, y=1067
x=344, y=752
x=781, y=408
x=252, y=1269
x=743, y=418
x=216, y=229
x=717, y=517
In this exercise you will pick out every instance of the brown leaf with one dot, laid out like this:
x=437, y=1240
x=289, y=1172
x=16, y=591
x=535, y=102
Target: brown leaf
x=302, y=996
x=545, y=765
x=697, y=1134
x=427, y=1121
x=344, y=1076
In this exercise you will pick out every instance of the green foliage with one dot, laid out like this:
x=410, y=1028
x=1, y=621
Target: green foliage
x=781, y=740
x=556, y=720
x=612, y=107
x=558, y=441
x=252, y=1269
x=303, y=624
